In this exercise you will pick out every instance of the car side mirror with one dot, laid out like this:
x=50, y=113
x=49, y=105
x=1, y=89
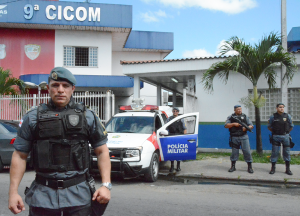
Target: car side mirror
x=164, y=133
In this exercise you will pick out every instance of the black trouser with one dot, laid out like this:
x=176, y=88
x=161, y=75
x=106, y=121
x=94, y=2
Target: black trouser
x=70, y=211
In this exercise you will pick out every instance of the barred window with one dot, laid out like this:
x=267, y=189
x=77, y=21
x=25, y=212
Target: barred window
x=294, y=103
x=273, y=97
x=81, y=56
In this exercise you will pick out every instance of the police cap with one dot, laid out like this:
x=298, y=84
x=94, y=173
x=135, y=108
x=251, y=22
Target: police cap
x=237, y=106
x=279, y=105
x=175, y=108
x=61, y=74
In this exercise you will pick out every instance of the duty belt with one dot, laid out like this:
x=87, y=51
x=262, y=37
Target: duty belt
x=60, y=183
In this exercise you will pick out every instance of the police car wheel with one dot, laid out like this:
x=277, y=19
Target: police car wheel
x=1, y=165
x=152, y=174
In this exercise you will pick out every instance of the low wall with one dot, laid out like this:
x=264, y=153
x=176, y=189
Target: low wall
x=213, y=135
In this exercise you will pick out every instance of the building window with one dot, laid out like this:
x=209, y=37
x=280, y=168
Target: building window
x=273, y=97
x=294, y=103
x=80, y=56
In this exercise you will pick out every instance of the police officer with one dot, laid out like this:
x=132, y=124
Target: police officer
x=280, y=124
x=176, y=128
x=58, y=135
x=239, y=137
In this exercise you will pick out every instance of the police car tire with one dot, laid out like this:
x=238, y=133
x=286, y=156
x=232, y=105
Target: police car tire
x=1, y=165
x=152, y=174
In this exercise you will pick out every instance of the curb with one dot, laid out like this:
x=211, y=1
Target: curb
x=201, y=179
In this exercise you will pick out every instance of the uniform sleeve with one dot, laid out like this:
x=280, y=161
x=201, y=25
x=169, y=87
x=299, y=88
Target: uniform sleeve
x=290, y=120
x=270, y=121
x=25, y=135
x=168, y=119
x=249, y=122
x=227, y=120
x=183, y=124
x=98, y=134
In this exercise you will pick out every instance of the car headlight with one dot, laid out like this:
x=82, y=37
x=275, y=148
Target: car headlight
x=134, y=152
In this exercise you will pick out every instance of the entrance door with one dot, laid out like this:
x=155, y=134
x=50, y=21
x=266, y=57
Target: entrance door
x=179, y=146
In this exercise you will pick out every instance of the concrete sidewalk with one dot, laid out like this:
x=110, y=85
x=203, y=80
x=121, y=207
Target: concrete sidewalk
x=215, y=170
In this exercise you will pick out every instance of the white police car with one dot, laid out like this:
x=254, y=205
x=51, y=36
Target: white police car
x=138, y=140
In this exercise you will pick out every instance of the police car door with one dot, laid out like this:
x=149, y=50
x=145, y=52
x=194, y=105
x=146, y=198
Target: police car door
x=180, y=146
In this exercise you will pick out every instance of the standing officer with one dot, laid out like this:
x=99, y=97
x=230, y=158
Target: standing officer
x=239, y=137
x=176, y=128
x=280, y=124
x=58, y=135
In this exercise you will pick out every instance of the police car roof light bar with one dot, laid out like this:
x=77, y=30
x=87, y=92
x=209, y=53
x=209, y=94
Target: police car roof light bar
x=123, y=108
x=150, y=107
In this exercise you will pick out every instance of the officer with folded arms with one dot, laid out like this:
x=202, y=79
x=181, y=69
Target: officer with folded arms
x=58, y=136
x=176, y=128
x=280, y=124
x=239, y=137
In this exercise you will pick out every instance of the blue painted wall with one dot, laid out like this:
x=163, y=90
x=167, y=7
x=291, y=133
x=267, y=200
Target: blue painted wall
x=216, y=136
x=87, y=80
x=119, y=16
x=150, y=40
x=294, y=39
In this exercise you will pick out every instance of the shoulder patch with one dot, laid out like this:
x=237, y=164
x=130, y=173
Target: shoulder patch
x=32, y=109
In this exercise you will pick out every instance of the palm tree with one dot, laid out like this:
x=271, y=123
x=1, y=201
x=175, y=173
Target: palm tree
x=7, y=83
x=252, y=61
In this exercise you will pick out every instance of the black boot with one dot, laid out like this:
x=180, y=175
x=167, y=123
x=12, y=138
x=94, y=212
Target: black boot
x=250, y=170
x=272, y=168
x=172, y=167
x=178, y=166
x=232, y=169
x=287, y=166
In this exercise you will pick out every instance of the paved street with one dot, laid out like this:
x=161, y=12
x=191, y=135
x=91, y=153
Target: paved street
x=135, y=197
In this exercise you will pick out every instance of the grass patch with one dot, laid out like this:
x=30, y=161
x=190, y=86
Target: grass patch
x=265, y=158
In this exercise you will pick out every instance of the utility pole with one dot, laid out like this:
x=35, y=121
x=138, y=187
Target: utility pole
x=284, y=89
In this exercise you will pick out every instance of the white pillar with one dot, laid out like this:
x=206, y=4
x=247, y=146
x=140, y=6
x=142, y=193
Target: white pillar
x=184, y=100
x=174, y=99
x=108, y=106
x=284, y=87
x=158, y=95
x=136, y=87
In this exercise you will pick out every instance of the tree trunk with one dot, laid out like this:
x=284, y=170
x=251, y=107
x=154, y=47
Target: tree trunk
x=258, y=131
x=257, y=121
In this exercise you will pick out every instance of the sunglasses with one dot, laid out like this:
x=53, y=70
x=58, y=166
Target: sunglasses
x=175, y=111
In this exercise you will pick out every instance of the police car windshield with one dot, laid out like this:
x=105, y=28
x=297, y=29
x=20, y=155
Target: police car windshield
x=130, y=124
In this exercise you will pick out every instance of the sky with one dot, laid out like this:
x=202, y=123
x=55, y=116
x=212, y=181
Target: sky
x=200, y=27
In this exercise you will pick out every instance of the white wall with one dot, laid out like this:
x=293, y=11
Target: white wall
x=102, y=40
x=217, y=106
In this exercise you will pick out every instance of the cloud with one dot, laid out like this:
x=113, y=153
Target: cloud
x=153, y=16
x=149, y=17
x=226, y=6
x=200, y=53
x=197, y=53
x=228, y=53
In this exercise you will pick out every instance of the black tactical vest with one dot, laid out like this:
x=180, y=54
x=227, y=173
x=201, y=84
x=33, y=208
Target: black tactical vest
x=61, y=139
x=238, y=131
x=176, y=127
x=280, y=125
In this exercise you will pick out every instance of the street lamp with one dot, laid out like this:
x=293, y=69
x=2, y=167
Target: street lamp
x=39, y=86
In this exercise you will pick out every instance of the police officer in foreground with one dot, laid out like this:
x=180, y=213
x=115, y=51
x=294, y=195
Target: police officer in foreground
x=280, y=124
x=176, y=128
x=58, y=135
x=239, y=137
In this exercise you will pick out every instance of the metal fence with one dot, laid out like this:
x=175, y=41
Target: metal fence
x=13, y=107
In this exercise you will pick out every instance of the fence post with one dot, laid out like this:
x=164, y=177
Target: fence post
x=34, y=100
x=113, y=104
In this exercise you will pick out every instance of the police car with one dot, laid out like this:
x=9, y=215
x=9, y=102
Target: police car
x=138, y=140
